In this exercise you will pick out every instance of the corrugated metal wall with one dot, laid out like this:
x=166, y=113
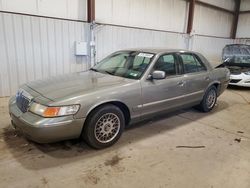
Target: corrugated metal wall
x=34, y=48
x=165, y=15
x=37, y=47
x=212, y=22
x=154, y=14
x=69, y=9
x=227, y=4
x=243, y=41
x=245, y=5
x=210, y=47
x=112, y=38
x=243, y=30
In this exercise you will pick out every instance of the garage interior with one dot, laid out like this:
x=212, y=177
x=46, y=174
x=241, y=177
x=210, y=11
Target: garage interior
x=44, y=38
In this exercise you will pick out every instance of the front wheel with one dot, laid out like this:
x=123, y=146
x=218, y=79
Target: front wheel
x=209, y=100
x=104, y=126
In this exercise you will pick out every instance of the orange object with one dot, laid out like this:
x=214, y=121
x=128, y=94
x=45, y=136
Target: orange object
x=51, y=112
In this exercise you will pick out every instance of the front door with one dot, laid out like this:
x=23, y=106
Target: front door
x=163, y=94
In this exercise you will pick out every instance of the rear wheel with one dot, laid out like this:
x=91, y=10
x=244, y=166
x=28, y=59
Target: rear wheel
x=209, y=100
x=104, y=126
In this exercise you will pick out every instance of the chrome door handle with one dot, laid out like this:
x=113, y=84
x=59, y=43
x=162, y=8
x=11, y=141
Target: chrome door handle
x=207, y=78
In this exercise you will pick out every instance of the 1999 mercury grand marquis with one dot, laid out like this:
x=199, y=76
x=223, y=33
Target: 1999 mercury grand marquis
x=125, y=87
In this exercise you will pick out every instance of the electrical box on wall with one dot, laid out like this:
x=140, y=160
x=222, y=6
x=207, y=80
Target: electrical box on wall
x=81, y=48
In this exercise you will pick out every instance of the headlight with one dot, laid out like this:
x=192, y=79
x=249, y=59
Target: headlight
x=47, y=111
x=247, y=73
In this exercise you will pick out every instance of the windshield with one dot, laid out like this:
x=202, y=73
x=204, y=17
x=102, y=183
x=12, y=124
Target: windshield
x=236, y=54
x=128, y=64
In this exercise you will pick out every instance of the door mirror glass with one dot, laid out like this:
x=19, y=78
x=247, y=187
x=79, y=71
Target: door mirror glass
x=158, y=75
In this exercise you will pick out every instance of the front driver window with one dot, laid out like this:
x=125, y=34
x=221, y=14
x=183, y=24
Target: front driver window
x=167, y=64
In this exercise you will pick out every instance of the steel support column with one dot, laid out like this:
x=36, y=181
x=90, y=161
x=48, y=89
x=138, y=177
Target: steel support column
x=91, y=10
x=190, y=16
x=236, y=18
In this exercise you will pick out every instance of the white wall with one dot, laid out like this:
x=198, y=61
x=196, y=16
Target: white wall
x=245, y=5
x=166, y=15
x=33, y=48
x=227, y=4
x=243, y=30
x=170, y=15
x=69, y=9
x=243, y=41
x=113, y=38
x=212, y=22
x=210, y=47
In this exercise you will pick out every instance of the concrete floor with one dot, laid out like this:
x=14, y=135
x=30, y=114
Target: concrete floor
x=148, y=154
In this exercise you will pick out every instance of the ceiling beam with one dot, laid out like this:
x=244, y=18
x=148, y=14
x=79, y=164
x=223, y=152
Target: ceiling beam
x=91, y=10
x=235, y=19
x=190, y=16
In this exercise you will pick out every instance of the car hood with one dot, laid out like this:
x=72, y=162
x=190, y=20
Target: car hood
x=75, y=84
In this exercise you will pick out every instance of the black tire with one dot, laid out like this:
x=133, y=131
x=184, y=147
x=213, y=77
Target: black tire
x=106, y=120
x=209, y=100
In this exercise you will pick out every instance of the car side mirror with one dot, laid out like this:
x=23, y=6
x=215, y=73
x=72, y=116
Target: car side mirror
x=158, y=75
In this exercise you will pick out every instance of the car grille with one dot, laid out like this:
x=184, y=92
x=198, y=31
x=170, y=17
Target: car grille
x=22, y=103
x=235, y=81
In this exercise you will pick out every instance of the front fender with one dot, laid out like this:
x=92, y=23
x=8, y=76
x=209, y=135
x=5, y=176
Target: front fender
x=103, y=103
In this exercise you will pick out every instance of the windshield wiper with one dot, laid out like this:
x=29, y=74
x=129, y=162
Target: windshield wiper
x=93, y=69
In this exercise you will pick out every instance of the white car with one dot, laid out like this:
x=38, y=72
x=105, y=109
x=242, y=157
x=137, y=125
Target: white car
x=242, y=79
x=236, y=58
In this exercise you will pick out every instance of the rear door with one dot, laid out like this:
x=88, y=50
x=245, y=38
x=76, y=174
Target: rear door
x=196, y=76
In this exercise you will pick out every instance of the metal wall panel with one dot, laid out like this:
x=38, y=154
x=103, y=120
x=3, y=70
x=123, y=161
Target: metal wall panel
x=170, y=15
x=227, y=4
x=33, y=48
x=69, y=9
x=243, y=30
x=210, y=47
x=245, y=5
x=208, y=21
x=243, y=41
x=113, y=38
x=167, y=15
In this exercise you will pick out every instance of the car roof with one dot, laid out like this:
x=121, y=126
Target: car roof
x=157, y=50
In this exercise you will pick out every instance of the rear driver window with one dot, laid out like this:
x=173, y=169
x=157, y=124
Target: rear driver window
x=191, y=63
